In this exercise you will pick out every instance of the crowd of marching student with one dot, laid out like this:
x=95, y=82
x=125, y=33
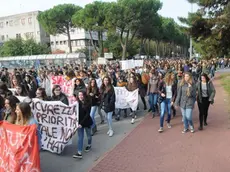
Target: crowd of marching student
x=168, y=84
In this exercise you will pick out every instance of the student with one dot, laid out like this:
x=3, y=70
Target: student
x=186, y=96
x=205, y=96
x=85, y=123
x=108, y=101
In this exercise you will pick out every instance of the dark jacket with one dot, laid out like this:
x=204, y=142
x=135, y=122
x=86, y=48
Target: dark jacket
x=210, y=90
x=84, y=115
x=184, y=101
x=78, y=88
x=162, y=89
x=94, y=100
x=62, y=97
x=108, y=100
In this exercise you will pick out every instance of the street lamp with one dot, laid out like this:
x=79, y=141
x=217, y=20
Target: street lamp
x=190, y=50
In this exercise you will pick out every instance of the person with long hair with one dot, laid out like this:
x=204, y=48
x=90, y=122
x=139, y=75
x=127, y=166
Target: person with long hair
x=93, y=94
x=25, y=118
x=10, y=106
x=152, y=91
x=79, y=85
x=84, y=124
x=41, y=94
x=21, y=90
x=108, y=99
x=186, y=97
x=167, y=95
x=58, y=95
x=131, y=86
x=205, y=96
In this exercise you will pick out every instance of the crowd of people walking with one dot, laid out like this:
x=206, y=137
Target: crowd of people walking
x=167, y=85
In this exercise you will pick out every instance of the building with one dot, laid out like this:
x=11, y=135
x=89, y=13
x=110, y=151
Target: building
x=80, y=40
x=24, y=26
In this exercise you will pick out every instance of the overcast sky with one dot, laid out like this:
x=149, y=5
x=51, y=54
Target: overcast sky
x=171, y=8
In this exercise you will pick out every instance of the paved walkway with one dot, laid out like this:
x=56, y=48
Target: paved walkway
x=145, y=150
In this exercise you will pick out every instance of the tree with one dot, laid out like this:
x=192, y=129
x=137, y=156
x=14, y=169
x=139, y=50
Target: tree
x=58, y=20
x=210, y=27
x=92, y=18
x=20, y=47
x=126, y=17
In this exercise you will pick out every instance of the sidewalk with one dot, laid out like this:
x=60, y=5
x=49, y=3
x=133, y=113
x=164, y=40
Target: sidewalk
x=145, y=150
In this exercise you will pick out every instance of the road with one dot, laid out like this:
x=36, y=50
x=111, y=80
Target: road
x=101, y=144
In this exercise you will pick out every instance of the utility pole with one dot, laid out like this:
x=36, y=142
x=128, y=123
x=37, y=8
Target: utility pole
x=190, y=49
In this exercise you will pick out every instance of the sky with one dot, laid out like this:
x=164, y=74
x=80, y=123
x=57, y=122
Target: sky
x=171, y=8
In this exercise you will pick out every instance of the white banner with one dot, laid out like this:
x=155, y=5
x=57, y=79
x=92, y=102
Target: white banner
x=58, y=123
x=126, y=99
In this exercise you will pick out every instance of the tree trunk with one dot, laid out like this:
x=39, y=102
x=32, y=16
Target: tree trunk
x=101, y=45
x=91, y=39
x=141, y=46
x=148, y=49
x=69, y=40
x=124, y=46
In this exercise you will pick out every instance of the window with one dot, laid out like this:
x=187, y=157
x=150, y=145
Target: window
x=61, y=42
x=30, y=20
x=1, y=25
x=2, y=37
x=64, y=42
x=7, y=23
x=72, y=31
x=7, y=37
x=23, y=21
x=57, y=42
x=52, y=43
x=18, y=35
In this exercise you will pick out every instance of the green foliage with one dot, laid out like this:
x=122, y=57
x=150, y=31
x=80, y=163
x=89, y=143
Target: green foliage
x=92, y=18
x=58, y=20
x=210, y=27
x=20, y=47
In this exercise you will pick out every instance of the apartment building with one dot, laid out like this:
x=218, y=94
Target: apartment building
x=24, y=26
x=80, y=39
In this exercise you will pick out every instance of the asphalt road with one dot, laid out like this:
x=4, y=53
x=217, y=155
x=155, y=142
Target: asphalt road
x=101, y=144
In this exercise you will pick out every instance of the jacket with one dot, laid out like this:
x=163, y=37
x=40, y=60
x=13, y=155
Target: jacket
x=62, y=97
x=108, y=100
x=84, y=115
x=210, y=90
x=184, y=101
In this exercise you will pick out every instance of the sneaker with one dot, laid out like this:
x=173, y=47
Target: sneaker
x=132, y=121
x=135, y=117
x=153, y=115
x=88, y=148
x=184, y=131
x=192, y=130
x=169, y=125
x=160, y=130
x=111, y=133
x=108, y=132
x=102, y=122
x=205, y=124
x=117, y=118
x=77, y=155
x=149, y=110
x=200, y=128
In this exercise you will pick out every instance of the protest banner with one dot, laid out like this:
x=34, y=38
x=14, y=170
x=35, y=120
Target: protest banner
x=58, y=123
x=139, y=63
x=19, y=148
x=126, y=99
x=66, y=86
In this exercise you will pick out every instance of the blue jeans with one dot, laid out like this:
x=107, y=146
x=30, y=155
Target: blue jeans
x=109, y=116
x=80, y=132
x=153, y=97
x=92, y=114
x=187, y=117
x=166, y=104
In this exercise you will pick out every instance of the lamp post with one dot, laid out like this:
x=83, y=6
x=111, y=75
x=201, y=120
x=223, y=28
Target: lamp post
x=190, y=49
